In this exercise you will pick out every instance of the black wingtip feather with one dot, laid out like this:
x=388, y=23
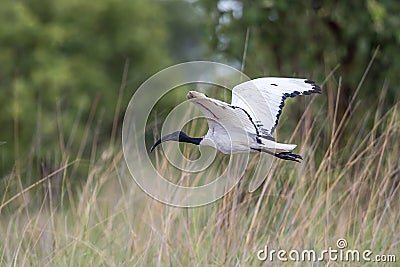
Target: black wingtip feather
x=315, y=88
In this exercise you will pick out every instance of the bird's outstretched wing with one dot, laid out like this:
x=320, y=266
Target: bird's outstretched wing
x=221, y=116
x=264, y=98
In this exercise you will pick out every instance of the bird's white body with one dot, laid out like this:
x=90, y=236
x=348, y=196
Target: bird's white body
x=247, y=124
x=237, y=146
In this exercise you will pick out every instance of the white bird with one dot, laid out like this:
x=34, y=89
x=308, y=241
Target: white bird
x=248, y=123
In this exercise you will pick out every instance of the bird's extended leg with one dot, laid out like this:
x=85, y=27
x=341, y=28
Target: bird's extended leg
x=288, y=156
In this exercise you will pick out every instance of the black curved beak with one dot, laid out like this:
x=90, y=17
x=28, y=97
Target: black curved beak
x=169, y=137
x=155, y=144
x=177, y=136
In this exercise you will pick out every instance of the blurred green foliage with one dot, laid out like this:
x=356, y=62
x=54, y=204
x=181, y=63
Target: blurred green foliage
x=58, y=54
x=60, y=60
x=310, y=38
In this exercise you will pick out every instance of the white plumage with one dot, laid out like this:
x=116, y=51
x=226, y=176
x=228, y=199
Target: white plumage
x=247, y=124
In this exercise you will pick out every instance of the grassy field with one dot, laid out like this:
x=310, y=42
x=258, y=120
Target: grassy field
x=348, y=187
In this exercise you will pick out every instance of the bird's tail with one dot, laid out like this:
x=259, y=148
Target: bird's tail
x=284, y=147
x=277, y=147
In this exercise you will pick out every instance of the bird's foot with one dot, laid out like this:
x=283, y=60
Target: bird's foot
x=288, y=156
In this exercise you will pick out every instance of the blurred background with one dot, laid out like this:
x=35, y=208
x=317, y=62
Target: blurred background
x=68, y=69
x=62, y=62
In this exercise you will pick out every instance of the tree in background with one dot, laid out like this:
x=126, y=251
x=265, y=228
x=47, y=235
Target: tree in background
x=311, y=38
x=60, y=59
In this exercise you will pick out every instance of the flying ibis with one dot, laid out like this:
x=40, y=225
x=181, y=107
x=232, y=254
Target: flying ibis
x=248, y=123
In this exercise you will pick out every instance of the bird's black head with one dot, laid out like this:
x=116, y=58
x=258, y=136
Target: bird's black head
x=178, y=136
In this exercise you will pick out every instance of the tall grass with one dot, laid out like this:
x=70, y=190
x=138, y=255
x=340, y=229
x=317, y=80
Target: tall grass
x=347, y=187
